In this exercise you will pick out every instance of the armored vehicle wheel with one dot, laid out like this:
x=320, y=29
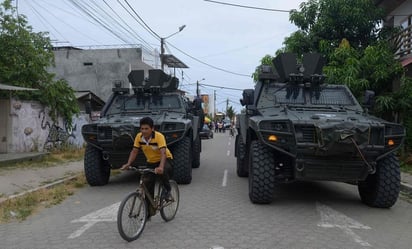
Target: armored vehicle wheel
x=96, y=170
x=182, y=171
x=261, y=173
x=196, y=153
x=241, y=159
x=382, y=188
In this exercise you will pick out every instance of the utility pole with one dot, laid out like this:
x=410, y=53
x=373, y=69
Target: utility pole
x=227, y=105
x=162, y=44
x=162, y=52
x=197, y=88
x=214, y=105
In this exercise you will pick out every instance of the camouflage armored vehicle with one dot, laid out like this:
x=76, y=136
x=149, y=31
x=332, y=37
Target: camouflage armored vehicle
x=297, y=128
x=110, y=139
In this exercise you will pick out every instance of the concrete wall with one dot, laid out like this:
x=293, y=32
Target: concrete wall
x=33, y=129
x=4, y=124
x=95, y=70
x=401, y=13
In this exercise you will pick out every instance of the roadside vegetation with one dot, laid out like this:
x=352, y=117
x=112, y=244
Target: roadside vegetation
x=24, y=60
x=19, y=208
x=406, y=163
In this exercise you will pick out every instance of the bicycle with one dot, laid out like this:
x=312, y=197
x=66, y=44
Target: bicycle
x=133, y=211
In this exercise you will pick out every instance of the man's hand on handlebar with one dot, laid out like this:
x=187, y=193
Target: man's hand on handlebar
x=125, y=167
x=158, y=170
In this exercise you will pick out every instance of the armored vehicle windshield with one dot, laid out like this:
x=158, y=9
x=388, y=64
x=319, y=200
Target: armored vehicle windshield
x=124, y=104
x=334, y=97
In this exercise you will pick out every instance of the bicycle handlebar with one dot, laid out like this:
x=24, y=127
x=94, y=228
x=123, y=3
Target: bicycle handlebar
x=142, y=171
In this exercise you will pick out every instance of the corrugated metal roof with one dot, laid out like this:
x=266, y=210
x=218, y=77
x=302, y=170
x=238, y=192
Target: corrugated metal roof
x=15, y=88
x=89, y=94
x=172, y=61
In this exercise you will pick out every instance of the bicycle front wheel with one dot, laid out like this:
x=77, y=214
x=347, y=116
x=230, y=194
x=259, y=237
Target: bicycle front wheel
x=132, y=216
x=169, y=209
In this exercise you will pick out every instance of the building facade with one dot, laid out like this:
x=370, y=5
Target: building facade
x=25, y=126
x=96, y=70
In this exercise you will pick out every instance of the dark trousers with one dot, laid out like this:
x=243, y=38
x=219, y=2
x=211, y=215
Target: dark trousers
x=150, y=179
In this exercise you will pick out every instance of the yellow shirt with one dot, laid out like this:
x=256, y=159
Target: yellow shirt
x=151, y=148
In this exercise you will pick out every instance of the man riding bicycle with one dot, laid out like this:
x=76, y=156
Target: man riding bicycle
x=159, y=157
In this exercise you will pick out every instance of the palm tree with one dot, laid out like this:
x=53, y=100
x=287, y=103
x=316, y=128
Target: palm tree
x=230, y=113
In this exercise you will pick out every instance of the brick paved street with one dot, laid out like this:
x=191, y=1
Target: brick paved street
x=215, y=212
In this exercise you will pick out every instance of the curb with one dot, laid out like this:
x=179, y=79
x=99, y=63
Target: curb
x=37, y=189
x=17, y=157
x=406, y=188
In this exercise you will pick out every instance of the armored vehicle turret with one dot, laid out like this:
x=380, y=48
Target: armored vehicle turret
x=295, y=127
x=110, y=139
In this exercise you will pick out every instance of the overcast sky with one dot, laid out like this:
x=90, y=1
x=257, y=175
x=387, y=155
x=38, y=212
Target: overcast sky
x=227, y=37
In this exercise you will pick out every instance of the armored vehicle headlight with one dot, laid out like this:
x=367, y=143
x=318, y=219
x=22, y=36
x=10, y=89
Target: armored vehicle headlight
x=394, y=135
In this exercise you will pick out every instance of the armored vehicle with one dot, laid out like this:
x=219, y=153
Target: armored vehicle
x=295, y=127
x=111, y=138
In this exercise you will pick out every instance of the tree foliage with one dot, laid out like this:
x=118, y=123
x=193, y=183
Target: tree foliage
x=349, y=34
x=372, y=68
x=230, y=112
x=24, y=60
x=266, y=60
x=332, y=20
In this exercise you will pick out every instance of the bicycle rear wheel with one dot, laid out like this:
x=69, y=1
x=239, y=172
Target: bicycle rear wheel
x=169, y=209
x=132, y=216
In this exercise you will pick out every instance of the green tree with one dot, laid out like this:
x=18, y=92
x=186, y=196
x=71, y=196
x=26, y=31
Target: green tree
x=266, y=60
x=373, y=68
x=24, y=60
x=349, y=34
x=332, y=20
x=230, y=112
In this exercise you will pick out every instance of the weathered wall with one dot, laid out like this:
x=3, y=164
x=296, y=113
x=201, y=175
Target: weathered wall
x=95, y=70
x=33, y=130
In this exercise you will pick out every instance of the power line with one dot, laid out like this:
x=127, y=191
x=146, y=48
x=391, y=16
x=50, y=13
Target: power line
x=96, y=19
x=128, y=29
x=248, y=7
x=43, y=20
x=141, y=19
x=207, y=64
x=62, y=20
x=222, y=87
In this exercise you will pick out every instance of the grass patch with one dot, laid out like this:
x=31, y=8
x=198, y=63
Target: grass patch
x=406, y=163
x=52, y=159
x=406, y=197
x=19, y=208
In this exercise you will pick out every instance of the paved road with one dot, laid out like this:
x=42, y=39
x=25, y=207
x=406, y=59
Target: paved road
x=215, y=212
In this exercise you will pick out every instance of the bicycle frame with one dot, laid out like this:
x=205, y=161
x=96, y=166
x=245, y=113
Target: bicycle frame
x=155, y=200
x=131, y=218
